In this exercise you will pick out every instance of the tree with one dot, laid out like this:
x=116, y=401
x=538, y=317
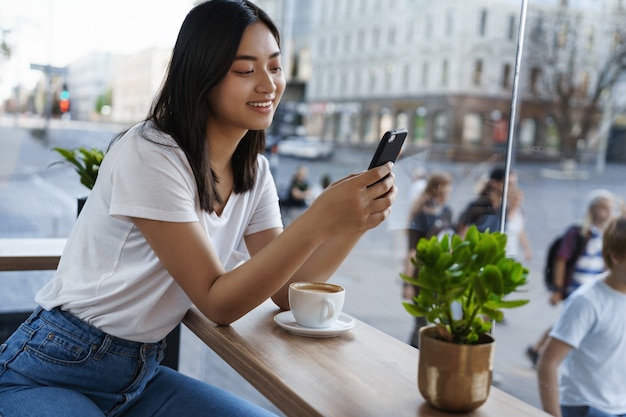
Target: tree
x=5, y=48
x=576, y=57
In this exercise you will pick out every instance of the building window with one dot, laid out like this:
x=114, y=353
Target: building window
x=535, y=76
x=444, y=73
x=373, y=80
x=409, y=31
x=392, y=36
x=346, y=43
x=440, y=128
x=472, y=128
x=482, y=25
x=449, y=22
x=506, y=76
x=345, y=83
x=375, y=37
x=322, y=47
x=511, y=29
x=428, y=26
x=425, y=70
x=406, y=78
x=357, y=83
x=478, y=72
x=389, y=70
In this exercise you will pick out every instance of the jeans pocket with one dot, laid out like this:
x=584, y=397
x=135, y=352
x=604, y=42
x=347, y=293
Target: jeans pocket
x=56, y=347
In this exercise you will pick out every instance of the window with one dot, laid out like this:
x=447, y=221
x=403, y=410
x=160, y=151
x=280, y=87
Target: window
x=512, y=29
x=449, y=22
x=482, y=25
x=535, y=76
x=375, y=37
x=478, y=72
x=444, y=73
x=472, y=128
x=506, y=76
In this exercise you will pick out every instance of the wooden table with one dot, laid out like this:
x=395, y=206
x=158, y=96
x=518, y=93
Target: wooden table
x=361, y=373
x=30, y=254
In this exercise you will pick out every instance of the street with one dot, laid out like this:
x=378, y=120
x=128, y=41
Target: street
x=39, y=200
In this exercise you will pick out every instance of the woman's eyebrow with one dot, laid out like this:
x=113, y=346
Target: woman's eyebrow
x=254, y=58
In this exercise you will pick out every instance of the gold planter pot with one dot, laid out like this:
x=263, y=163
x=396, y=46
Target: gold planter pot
x=451, y=376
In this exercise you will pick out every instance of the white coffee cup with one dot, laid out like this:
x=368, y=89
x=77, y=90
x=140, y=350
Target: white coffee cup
x=316, y=304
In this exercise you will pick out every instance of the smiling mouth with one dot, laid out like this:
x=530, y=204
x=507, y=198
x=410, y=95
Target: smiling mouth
x=260, y=104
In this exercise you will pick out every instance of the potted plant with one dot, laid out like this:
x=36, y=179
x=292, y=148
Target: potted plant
x=86, y=162
x=463, y=287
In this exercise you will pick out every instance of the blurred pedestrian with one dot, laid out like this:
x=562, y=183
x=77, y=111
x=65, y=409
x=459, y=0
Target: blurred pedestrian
x=430, y=216
x=588, y=342
x=410, y=184
x=298, y=195
x=579, y=258
x=515, y=226
x=484, y=211
x=317, y=189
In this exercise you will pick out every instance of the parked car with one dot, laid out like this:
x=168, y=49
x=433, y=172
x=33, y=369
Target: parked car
x=305, y=147
x=270, y=142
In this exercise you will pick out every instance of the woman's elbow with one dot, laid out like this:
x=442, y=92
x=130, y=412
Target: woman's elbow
x=281, y=301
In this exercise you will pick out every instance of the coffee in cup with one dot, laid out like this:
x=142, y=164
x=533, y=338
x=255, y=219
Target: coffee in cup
x=316, y=304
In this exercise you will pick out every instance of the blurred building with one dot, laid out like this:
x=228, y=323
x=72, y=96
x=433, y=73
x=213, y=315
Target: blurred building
x=444, y=70
x=89, y=81
x=136, y=82
x=293, y=18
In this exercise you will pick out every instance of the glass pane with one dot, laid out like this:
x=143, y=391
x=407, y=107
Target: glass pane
x=356, y=68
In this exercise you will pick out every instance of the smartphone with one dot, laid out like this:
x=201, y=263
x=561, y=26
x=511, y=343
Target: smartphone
x=389, y=147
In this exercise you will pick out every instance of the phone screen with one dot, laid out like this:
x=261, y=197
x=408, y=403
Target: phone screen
x=389, y=147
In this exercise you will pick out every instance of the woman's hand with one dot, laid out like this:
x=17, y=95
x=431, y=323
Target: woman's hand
x=356, y=203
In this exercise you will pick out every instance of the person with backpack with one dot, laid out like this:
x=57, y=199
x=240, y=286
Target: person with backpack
x=575, y=258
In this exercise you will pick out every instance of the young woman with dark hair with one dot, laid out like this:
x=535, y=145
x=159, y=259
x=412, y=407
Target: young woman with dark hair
x=184, y=212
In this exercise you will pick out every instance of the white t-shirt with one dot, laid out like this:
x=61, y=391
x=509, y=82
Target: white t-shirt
x=593, y=322
x=108, y=274
x=514, y=228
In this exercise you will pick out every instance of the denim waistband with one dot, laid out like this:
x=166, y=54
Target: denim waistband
x=68, y=322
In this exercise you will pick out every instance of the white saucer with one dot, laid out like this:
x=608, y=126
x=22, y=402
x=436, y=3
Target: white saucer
x=341, y=325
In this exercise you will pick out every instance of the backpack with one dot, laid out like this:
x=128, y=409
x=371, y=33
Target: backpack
x=553, y=249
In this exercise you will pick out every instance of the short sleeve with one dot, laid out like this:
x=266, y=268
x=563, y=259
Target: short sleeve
x=575, y=321
x=150, y=180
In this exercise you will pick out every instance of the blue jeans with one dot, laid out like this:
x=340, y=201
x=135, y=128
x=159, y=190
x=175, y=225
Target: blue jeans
x=56, y=365
x=584, y=411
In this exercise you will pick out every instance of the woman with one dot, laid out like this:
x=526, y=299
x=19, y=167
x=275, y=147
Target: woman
x=430, y=216
x=579, y=258
x=181, y=201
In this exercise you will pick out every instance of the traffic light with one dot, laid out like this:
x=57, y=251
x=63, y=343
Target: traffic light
x=64, y=100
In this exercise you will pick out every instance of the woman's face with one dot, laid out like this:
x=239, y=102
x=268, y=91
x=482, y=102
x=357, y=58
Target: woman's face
x=247, y=97
x=601, y=212
x=443, y=192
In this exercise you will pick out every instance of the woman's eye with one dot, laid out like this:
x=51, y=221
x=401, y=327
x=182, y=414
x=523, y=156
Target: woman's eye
x=276, y=69
x=245, y=72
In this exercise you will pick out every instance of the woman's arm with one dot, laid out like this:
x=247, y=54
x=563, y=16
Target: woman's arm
x=224, y=296
x=523, y=238
x=547, y=374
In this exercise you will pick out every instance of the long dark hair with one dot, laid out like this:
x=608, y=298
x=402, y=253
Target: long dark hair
x=204, y=51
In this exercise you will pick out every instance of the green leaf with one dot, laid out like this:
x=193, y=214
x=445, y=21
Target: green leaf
x=492, y=278
x=86, y=163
